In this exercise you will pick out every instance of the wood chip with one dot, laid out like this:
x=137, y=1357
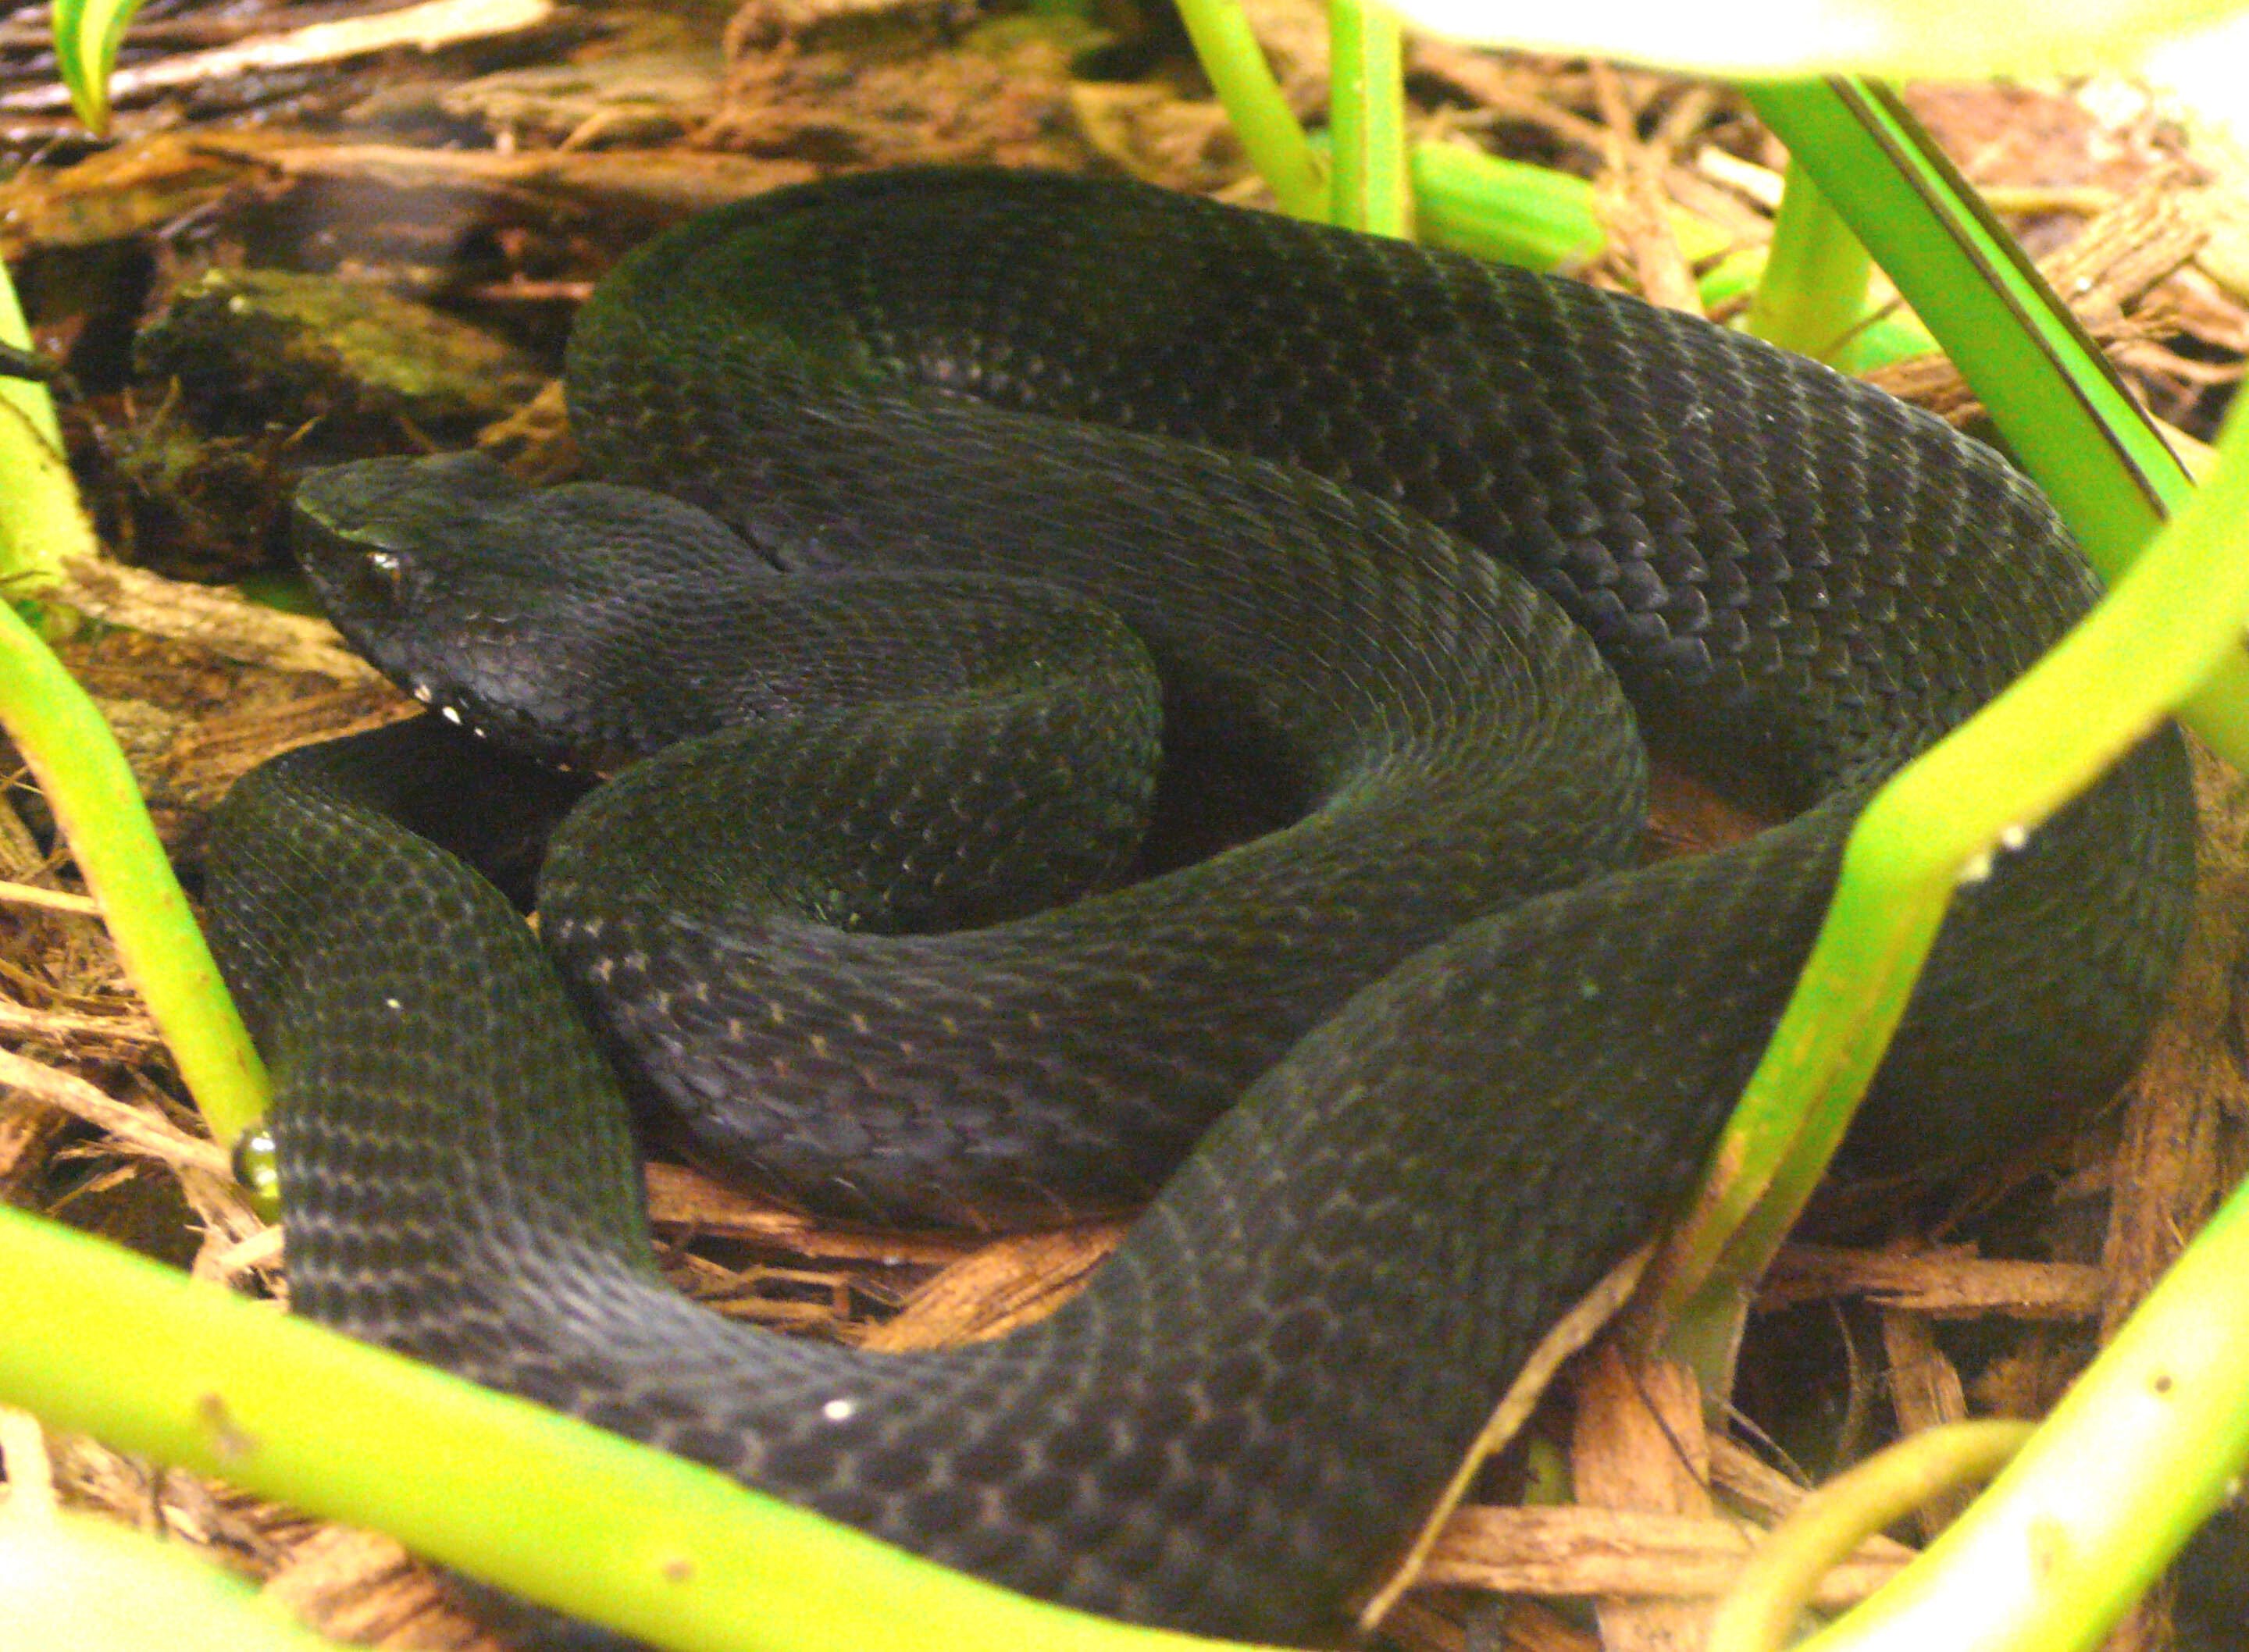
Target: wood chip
x=1749, y=1483
x=1639, y=1447
x=218, y=621
x=63, y=1029
x=24, y=895
x=143, y=1130
x=361, y=1587
x=1925, y=1393
x=1000, y=1286
x=686, y=1203
x=660, y=187
x=2190, y=1092
x=1633, y=1555
x=1949, y=1284
x=1637, y=211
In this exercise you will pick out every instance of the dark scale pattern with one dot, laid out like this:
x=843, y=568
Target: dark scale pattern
x=1454, y=727
x=1248, y=1410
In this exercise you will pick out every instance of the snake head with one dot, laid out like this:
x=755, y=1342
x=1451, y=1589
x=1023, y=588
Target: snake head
x=494, y=603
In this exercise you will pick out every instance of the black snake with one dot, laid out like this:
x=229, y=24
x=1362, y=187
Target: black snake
x=1463, y=1053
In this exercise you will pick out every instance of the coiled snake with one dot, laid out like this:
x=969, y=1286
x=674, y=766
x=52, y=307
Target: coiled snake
x=1461, y=1052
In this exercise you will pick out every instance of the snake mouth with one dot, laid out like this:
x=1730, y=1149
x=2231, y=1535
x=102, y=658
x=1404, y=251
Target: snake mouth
x=517, y=735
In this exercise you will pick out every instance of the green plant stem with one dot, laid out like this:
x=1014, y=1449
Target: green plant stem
x=1366, y=119
x=1514, y=213
x=1504, y=210
x=28, y=396
x=92, y=792
x=2147, y=646
x=2068, y=419
x=1813, y=289
x=2138, y=1454
x=151, y=1361
x=41, y=523
x=1777, y=1582
x=1261, y=116
x=2034, y=367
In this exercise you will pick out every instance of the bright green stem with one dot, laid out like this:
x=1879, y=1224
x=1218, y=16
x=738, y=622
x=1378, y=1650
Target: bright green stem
x=91, y=790
x=2082, y=437
x=2063, y=410
x=28, y=396
x=1813, y=289
x=1515, y=213
x=1366, y=119
x=1776, y=1581
x=41, y=523
x=2140, y=1451
x=1505, y=211
x=2147, y=646
x=1267, y=128
x=152, y=1362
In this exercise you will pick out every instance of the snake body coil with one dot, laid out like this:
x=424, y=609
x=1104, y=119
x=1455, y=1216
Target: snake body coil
x=1461, y=1054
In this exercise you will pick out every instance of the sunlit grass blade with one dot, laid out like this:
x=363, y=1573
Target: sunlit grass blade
x=1775, y=1582
x=87, y=785
x=41, y=522
x=2068, y=418
x=1505, y=211
x=2050, y=389
x=1267, y=129
x=2144, y=1447
x=1366, y=119
x=86, y=37
x=1813, y=292
x=1512, y=212
x=27, y=395
x=2163, y=628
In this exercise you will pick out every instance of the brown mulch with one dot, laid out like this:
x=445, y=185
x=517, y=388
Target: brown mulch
x=491, y=177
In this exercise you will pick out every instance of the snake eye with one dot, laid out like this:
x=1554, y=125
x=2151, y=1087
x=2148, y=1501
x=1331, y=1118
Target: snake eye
x=379, y=576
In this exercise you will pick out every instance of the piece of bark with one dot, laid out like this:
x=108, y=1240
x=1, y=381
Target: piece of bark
x=1639, y=1445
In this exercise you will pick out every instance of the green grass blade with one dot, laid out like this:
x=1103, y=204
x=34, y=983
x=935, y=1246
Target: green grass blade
x=41, y=522
x=1511, y=212
x=2047, y=384
x=1261, y=116
x=2080, y=435
x=152, y=1362
x=28, y=396
x=1366, y=119
x=87, y=33
x=1813, y=292
x=1505, y=211
x=2171, y=621
x=1778, y=1579
x=2052, y=393
x=92, y=793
